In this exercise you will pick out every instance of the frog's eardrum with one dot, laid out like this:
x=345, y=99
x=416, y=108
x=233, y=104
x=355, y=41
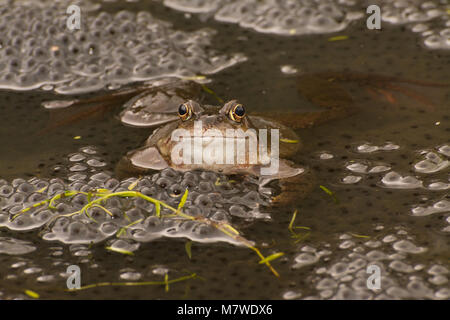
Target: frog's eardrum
x=37, y=48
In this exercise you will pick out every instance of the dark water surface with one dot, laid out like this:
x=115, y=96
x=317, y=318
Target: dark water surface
x=373, y=222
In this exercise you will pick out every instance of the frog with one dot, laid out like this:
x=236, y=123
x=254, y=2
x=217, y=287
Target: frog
x=176, y=104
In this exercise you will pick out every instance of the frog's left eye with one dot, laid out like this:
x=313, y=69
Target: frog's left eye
x=237, y=112
x=185, y=111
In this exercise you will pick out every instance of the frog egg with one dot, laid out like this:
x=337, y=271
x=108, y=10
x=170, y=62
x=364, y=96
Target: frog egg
x=164, y=182
x=16, y=182
x=101, y=177
x=193, y=210
x=77, y=177
x=205, y=187
x=78, y=167
x=17, y=198
x=252, y=199
x=152, y=222
x=77, y=230
x=176, y=191
x=22, y=222
x=437, y=270
x=79, y=200
x=239, y=211
x=6, y=190
x=191, y=176
x=98, y=214
x=219, y=216
x=407, y=247
x=203, y=201
x=149, y=191
x=144, y=204
x=108, y=228
x=111, y=184
x=95, y=163
x=42, y=216
x=35, y=198
x=304, y=259
x=395, y=180
x=55, y=188
x=203, y=230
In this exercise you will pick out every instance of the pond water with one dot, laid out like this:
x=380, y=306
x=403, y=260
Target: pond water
x=386, y=166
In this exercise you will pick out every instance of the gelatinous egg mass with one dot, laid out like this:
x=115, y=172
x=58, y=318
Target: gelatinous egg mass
x=24, y=204
x=298, y=17
x=37, y=48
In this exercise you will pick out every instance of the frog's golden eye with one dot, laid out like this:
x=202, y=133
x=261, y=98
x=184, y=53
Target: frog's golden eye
x=237, y=112
x=185, y=111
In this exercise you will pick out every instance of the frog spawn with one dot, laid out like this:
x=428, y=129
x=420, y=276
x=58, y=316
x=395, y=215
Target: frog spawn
x=433, y=162
x=431, y=168
x=210, y=196
x=342, y=273
x=427, y=18
x=38, y=50
x=279, y=17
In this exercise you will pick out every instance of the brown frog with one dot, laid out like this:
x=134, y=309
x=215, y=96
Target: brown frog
x=171, y=104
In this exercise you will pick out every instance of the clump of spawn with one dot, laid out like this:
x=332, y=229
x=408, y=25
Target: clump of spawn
x=344, y=270
x=428, y=18
x=212, y=197
x=290, y=17
x=38, y=49
x=297, y=17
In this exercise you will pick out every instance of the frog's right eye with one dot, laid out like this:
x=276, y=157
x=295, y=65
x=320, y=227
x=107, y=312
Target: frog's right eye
x=185, y=111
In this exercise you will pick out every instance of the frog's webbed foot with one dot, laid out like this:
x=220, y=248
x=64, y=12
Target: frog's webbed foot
x=294, y=181
x=139, y=162
x=294, y=189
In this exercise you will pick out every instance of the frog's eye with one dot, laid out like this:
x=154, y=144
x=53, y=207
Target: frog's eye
x=185, y=111
x=237, y=112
